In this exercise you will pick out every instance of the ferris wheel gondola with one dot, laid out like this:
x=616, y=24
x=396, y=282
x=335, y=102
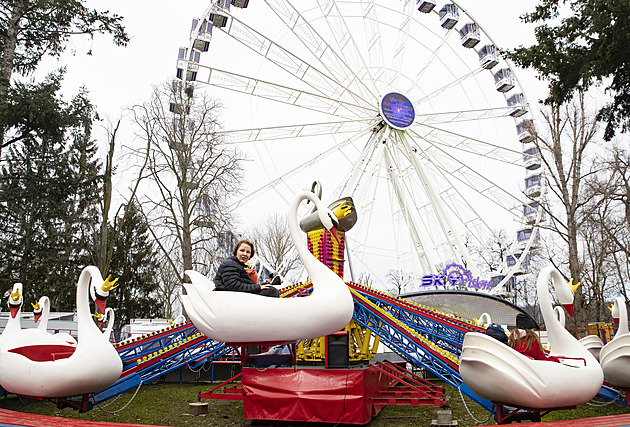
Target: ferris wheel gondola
x=404, y=106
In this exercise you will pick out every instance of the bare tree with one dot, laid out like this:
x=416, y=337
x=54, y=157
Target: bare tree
x=193, y=174
x=103, y=242
x=275, y=246
x=608, y=232
x=570, y=130
x=399, y=280
x=366, y=279
x=170, y=290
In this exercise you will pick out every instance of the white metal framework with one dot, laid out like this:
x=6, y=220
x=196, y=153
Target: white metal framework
x=304, y=82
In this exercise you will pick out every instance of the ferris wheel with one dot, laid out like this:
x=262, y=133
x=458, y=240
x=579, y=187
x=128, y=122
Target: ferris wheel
x=405, y=106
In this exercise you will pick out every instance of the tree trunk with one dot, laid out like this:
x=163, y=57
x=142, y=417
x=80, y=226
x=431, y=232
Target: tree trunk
x=10, y=44
x=103, y=258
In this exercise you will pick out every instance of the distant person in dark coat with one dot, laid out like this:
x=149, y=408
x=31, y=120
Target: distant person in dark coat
x=497, y=332
x=274, y=280
x=233, y=275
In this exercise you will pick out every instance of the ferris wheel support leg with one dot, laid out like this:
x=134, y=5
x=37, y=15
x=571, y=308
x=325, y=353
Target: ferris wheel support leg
x=446, y=223
x=423, y=256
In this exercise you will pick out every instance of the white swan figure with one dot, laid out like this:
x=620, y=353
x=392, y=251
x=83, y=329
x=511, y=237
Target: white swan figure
x=52, y=370
x=179, y=319
x=615, y=355
x=484, y=320
x=591, y=342
x=244, y=317
x=108, y=317
x=497, y=372
x=594, y=344
x=41, y=313
x=14, y=301
x=559, y=312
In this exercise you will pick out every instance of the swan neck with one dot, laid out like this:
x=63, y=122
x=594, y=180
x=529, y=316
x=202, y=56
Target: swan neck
x=623, y=316
x=43, y=321
x=552, y=324
x=84, y=316
x=296, y=236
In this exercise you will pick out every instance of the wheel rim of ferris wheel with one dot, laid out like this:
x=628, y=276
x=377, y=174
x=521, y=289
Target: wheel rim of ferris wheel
x=348, y=85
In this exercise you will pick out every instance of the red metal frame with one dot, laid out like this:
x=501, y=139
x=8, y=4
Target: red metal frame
x=537, y=413
x=234, y=392
x=407, y=388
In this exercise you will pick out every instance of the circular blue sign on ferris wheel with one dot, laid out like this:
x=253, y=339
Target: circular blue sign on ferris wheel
x=397, y=111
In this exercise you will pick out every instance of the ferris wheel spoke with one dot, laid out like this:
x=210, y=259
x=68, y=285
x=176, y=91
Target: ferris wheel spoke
x=401, y=42
x=459, y=81
x=361, y=167
x=280, y=181
x=361, y=184
x=274, y=53
x=335, y=64
x=294, y=131
x=451, y=168
x=279, y=93
x=347, y=44
x=434, y=56
x=438, y=137
x=373, y=42
x=452, y=198
x=463, y=115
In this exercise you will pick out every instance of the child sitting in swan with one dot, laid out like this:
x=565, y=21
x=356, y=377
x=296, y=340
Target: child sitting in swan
x=524, y=340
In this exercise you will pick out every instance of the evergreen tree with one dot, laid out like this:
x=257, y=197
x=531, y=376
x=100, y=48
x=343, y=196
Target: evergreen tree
x=32, y=29
x=134, y=263
x=48, y=191
x=582, y=46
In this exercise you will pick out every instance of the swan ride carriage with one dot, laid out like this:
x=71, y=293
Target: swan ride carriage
x=239, y=317
x=614, y=357
x=499, y=373
x=34, y=362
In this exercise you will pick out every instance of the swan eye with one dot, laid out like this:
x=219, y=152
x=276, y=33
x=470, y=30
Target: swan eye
x=333, y=220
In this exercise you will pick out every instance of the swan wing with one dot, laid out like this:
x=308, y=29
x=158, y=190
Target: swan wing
x=197, y=311
x=199, y=280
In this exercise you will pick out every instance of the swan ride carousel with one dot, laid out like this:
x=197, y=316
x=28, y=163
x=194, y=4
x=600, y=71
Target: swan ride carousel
x=615, y=355
x=497, y=372
x=242, y=317
x=42, y=366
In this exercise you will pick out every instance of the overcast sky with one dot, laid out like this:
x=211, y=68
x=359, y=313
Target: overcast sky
x=119, y=77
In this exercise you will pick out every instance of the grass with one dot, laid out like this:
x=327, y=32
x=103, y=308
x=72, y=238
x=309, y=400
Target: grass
x=166, y=404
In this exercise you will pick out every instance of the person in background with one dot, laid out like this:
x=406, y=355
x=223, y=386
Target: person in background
x=233, y=275
x=497, y=332
x=524, y=340
x=274, y=280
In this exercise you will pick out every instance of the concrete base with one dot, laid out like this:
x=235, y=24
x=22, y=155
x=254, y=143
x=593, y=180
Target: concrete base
x=198, y=408
x=445, y=419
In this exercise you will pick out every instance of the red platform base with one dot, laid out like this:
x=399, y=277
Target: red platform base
x=312, y=395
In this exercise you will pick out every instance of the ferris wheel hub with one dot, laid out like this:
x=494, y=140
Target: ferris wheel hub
x=397, y=110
